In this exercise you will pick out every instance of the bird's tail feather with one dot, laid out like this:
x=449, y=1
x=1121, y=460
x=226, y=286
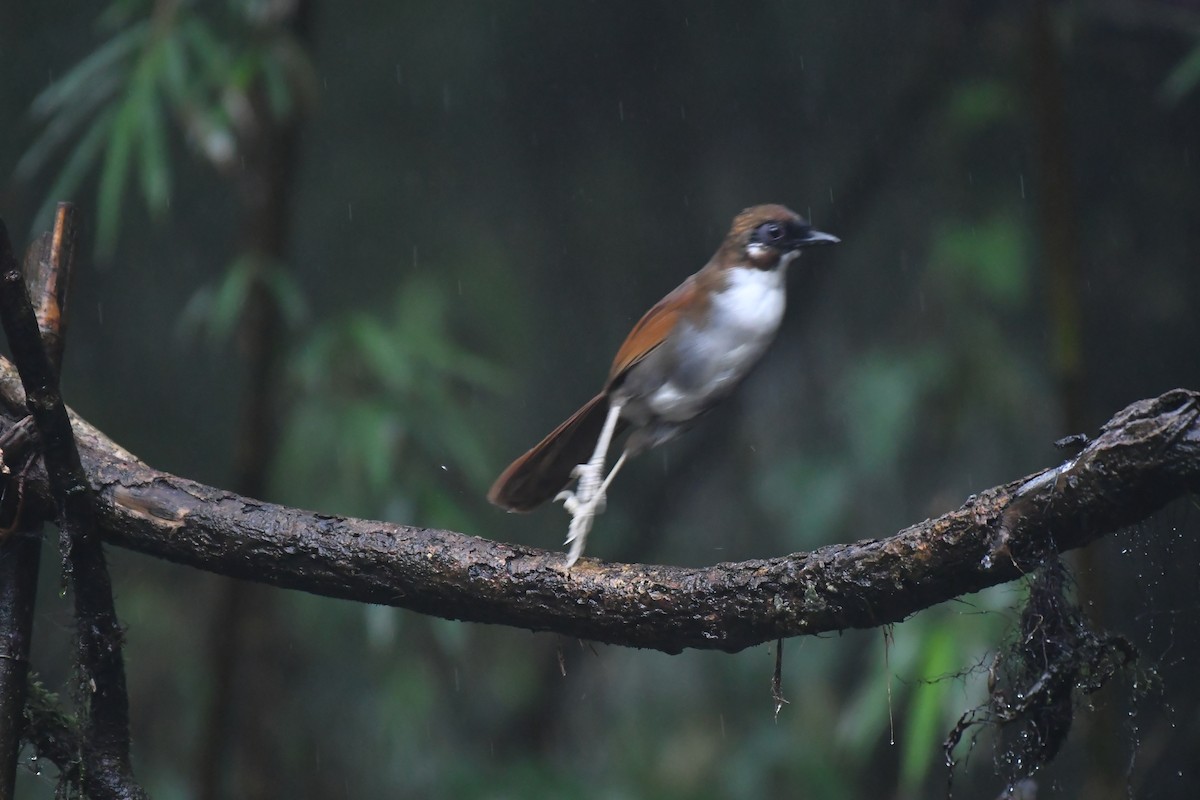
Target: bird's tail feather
x=542, y=472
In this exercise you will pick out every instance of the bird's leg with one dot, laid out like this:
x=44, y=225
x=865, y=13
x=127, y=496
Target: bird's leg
x=585, y=513
x=589, y=474
x=587, y=499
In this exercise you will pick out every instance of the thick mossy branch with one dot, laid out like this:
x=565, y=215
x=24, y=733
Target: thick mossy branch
x=1146, y=456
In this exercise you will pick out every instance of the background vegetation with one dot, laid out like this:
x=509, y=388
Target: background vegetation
x=355, y=257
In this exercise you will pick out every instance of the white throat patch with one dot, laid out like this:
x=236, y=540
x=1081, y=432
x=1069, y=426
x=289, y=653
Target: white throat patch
x=752, y=301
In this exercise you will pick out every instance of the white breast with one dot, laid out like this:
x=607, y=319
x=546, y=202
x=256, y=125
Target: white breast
x=710, y=361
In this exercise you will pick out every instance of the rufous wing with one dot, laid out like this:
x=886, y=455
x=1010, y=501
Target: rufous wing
x=653, y=328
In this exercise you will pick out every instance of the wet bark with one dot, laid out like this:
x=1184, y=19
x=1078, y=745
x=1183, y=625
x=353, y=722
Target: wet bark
x=67, y=498
x=1145, y=456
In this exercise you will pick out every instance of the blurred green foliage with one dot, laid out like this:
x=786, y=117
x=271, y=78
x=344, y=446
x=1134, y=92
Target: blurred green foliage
x=215, y=311
x=163, y=64
x=1183, y=79
x=379, y=419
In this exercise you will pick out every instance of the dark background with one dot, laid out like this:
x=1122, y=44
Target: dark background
x=484, y=198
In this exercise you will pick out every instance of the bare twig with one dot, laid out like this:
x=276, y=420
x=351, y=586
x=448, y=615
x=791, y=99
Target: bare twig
x=777, y=680
x=48, y=272
x=106, y=730
x=20, y=555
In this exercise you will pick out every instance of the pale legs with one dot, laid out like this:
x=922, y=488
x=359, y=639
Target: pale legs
x=587, y=500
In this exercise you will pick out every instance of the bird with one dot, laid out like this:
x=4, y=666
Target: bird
x=686, y=354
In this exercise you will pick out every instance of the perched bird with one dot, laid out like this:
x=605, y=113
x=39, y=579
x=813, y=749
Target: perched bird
x=687, y=353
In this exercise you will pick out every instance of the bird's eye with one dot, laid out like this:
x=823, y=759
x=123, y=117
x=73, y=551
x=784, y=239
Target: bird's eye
x=770, y=233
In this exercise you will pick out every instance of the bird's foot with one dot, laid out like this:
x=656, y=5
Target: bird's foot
x=587, y=490
x=571, y=499
x=583, y=504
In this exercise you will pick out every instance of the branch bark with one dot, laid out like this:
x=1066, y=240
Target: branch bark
x=106, y=723
x=20, y=553
x=48, y=268
x=1145, y=456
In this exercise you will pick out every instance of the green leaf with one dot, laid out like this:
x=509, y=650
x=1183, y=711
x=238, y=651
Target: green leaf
x=376, y=347
x=988, y=257
x=287, y=294
x=114, y=174
x=155, y=166
x=80, y=81
x=882, y=394
x=372, y=436
x=446, y=436
x=809, y=495
x=118, y=14
x=78, y=164
x=66, y=123
x=981, y=104
x=230, y=298
x=1182, y=80
x=176, y=77
x=213, y=55
x=277, y=86
x=214, y=311
x=923, y=732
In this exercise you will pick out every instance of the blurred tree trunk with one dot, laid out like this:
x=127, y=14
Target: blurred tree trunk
x=1062, y=267
x=238, y=749
x=1058, y=217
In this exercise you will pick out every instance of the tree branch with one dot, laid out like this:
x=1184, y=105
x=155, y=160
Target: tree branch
x=1146, y=456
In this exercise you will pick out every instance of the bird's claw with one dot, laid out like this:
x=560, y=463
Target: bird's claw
x=583, y=504
x=582, y=513
x=568, y=499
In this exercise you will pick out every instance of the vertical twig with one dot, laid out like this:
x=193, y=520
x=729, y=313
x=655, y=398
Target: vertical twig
x=48, y=272
x=20, y=556
x=48, y=263
x=1062, y=264
x=107, y=771
x=777, y=680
